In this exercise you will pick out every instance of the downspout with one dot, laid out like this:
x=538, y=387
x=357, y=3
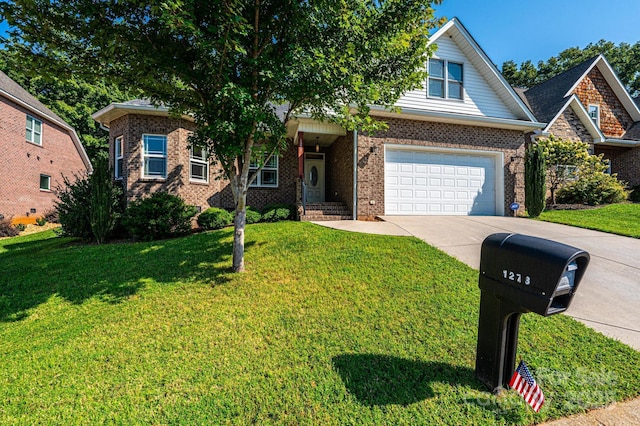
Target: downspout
x=355, y=175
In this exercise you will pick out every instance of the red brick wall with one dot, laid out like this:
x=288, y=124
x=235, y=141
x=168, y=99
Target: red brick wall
x=216, y=193
x=624, y=161
x=569, y=127
x=422, y=133
x=22, y=162
x=594, y=89
x=339, y=170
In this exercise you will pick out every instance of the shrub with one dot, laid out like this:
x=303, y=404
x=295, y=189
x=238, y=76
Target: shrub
x=73, y=207
x=41, y=221
x=277, y=212
x=20, y=227
x=535, y=187
x=161, y=215
x=7, y=229
x=51, y=216
x=253, y=215
x=214, y=218
x=634, y=194
x=594, y=189
x=104, y=209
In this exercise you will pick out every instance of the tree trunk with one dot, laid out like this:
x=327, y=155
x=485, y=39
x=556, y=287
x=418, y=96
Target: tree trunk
x=238, y=232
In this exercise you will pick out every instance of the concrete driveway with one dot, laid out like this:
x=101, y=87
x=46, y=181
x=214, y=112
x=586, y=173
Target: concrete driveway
x=608, y=299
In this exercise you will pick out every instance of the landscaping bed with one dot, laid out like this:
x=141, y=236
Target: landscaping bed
x=326, y=327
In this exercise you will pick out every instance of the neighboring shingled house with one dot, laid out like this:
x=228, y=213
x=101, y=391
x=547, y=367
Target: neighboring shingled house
x=590, y=103
x=456, y=148
x=38, y=148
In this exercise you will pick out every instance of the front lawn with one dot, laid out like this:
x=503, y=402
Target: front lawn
x=326, y=327
x=621, y=219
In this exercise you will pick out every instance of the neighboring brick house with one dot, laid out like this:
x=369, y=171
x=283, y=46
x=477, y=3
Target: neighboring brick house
x=456, y=148
x=589, y=103
x=38, y=148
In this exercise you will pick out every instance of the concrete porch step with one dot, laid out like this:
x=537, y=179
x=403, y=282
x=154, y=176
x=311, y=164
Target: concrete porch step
x=326, y=211
x=323, y=217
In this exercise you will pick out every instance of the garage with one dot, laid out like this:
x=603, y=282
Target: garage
x=433, y=181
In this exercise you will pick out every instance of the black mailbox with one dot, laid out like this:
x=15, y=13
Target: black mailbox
x=520, y=274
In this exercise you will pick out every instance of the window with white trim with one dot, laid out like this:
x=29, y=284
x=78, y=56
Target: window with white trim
x=445, y=79
x=154, y=156
x=198, y=165
x=268, y=176
x=594, y=113
x=34, y=130
x=119, y=158
x=45, y=183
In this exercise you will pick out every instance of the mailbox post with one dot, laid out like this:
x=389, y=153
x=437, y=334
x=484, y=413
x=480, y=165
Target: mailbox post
x=520, y=274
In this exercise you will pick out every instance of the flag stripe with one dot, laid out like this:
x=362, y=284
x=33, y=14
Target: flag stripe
x=523, y=382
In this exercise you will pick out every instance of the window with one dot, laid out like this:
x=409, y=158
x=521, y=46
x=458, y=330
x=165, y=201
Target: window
x=268, y=176
x=118, y=157
x=154, y=153
x=45, y=183
x=198, y=165
x=594, y=113
x=34, y=130
x=445, y=79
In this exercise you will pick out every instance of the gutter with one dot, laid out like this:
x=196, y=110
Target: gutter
x=355, y=175
x=620, y=142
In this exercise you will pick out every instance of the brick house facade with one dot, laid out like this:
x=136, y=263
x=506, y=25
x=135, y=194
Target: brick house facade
x=590, y=104
x=38, y=149
x=470, y=144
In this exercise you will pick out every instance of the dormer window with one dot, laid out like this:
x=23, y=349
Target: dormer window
x=445, y=80
x=594, y=113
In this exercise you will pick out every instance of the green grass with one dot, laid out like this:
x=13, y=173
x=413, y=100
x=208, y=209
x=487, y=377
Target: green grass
x=621, y=219
x=326, y=327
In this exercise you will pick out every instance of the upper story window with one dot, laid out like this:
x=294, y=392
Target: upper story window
x=268, y=176
x=45, y=182
x=154, y=156
x=445, y=79
x=198, y=165
x=34, y=130
x=594, y=113
x=118, y=157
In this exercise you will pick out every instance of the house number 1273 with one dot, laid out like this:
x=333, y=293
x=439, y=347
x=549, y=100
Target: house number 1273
x=514, y=276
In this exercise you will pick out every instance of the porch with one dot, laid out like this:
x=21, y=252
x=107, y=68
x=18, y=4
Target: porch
x=325, y=185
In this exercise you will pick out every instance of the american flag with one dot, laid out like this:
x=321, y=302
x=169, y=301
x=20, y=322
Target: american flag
x=524, y=383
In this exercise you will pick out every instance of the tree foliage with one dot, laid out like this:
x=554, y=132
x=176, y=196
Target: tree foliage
x=624, y=57
x=535, y=187
x=229, y=63
x=72, y=97
x=567, y=161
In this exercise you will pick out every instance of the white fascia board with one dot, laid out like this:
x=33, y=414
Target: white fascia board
x=584, y=117
x=462, y=119
x=614, y=82
x=122, y=109
x=620, y=142
x=487, y=68
x=62, y=124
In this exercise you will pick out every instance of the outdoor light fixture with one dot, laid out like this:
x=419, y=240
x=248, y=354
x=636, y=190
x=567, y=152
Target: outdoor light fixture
x=317, y=145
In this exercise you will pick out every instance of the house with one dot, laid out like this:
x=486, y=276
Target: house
x=456, y=148
x=589, y=103
x=38, y=148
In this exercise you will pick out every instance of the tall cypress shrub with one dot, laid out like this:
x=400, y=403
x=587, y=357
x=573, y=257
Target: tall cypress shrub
x=535, y=175
x=104, y=201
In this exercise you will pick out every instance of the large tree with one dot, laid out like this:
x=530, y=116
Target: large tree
x=228, y=63
x=624, y=57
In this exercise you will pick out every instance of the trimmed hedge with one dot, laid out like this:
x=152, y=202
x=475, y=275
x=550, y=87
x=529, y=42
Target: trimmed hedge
x=214, y=218
x=161, y=215
x=253, y=215
x=278, y=212
x=593, y=190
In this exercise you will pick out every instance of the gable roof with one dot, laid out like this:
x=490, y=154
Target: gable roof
x=480, y=60
x=548, y=98
x=116, y=110
x=16, y=93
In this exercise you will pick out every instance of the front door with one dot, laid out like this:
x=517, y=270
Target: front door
x=314, y=177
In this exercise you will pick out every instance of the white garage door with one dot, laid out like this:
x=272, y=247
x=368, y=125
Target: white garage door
x=421, y=182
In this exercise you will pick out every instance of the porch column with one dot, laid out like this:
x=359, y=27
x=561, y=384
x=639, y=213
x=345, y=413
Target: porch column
x=301, y=155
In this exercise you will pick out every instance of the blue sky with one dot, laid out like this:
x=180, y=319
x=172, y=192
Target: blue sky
x=538, y=29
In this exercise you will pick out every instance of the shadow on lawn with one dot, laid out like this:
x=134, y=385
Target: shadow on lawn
x=32, y=272
x=384, y=380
